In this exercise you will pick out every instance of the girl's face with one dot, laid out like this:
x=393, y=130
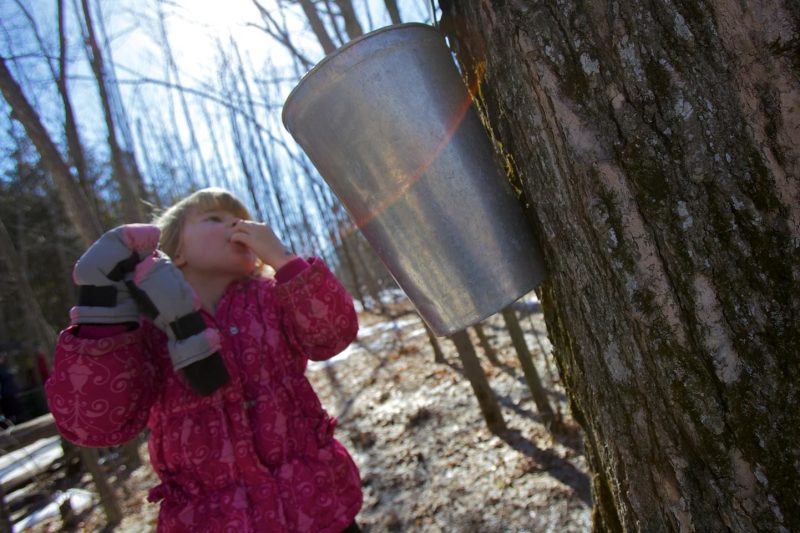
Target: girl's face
x=206, y=246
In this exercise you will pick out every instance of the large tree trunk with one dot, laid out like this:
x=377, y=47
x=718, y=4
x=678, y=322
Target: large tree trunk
x=657, y=147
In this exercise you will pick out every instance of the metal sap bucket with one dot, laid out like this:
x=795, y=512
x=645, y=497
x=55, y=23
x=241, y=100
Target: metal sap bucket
x=388, y=123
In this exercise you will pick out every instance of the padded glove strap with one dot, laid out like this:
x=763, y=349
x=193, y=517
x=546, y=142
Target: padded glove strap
x=94, y=296
x=124, y=267
x=187, y=325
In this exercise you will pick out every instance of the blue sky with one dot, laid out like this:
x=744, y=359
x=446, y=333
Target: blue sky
x=193, y=27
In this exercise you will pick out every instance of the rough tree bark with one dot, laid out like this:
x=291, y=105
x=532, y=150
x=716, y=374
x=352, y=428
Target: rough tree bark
x=657, y=148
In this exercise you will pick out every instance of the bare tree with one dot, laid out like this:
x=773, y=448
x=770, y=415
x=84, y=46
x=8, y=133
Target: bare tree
x=480, y=385
x=438, y=355
x=280, y=33
x=175, y=74
x=75, y=202
x=121, y=163
x=351, y=24
x=488, y=349
x=40, y=330
x=317, y=26
x=657, y=146
x=394, y=12
x=529, y=369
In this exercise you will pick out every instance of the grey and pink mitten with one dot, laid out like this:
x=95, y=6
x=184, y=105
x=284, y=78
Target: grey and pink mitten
x=103, y=297
x=168, y=298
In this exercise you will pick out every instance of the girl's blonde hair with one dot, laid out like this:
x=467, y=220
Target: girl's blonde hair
x=172, y=221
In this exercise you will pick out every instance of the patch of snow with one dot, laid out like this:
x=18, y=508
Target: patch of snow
x=681, y=28
x=31, y=459
x=683, y=108
x=683, y=213
x=381, y=327
x=590, y=66
x=415, y=333
x=318, y=365
x=79, y=500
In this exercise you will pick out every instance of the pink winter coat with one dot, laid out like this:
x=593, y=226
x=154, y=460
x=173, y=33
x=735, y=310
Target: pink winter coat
x=256, y=456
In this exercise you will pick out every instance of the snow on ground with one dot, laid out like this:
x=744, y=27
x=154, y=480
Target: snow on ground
x=79, y=501
x=30, y=460
x=427, y=460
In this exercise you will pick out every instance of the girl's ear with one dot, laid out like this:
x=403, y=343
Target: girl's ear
x=179, y=260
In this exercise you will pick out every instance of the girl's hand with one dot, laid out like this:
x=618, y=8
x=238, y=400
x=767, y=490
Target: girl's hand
x=260, y=238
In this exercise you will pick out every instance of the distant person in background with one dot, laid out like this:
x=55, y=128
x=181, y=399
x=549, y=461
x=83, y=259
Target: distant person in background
x=8, y=391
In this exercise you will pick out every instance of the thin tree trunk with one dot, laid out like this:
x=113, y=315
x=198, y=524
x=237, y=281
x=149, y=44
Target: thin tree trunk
x=6, y=526
x=351, y=24
x=317, y=26
x=187, y=114
x=334, y=22
x=214, y=142
x=281, y=33
x=42, y=331
x=394, y=13
x=490, y=352
x=129, y=194
x=108, y=499
x=64, y=267
x=74, y=144
x=480, y=385
x=351, y=266
x=657, y=146
x=529, y=369
x=368, y=11
x=438, y=355
x=75, y=201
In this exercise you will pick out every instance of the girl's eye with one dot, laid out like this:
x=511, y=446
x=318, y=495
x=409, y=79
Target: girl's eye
x=214, y=218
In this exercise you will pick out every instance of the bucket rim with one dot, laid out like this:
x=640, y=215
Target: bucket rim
x=328, y=58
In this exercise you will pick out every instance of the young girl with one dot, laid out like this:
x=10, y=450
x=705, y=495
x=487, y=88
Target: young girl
x=257, y=454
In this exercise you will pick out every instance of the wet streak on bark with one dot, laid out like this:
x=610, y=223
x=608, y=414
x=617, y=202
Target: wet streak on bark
x=657, y=147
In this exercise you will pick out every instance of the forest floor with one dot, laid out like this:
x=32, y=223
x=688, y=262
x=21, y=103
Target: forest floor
x=427, y=460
